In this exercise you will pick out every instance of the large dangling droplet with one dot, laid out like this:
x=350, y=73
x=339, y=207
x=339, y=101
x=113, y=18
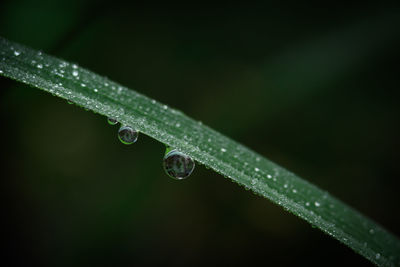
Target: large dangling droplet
x=112, y=121
x=177, y=165
x=127, y=135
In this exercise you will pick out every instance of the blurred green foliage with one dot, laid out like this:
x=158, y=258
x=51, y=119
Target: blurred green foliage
x=75, y=196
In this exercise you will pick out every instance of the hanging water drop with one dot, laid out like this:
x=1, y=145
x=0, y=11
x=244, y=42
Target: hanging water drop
x=177, y=165
x=112, y=121
x=127, y=135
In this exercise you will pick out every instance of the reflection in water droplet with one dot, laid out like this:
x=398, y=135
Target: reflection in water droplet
x=178, y=165
x=75, y=73
x=17, y=53
x=317, y=204
x=127, y=135
x=112, y=121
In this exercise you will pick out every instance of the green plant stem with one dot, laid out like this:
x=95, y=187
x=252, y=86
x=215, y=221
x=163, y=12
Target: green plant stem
x=203, y=144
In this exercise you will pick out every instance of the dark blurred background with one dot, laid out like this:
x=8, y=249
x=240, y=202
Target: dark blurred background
x=314, y=89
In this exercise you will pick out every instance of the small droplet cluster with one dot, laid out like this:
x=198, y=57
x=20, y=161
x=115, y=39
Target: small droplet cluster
x=176, y=164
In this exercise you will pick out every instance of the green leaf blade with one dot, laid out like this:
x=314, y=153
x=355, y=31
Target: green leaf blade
x=203, y=144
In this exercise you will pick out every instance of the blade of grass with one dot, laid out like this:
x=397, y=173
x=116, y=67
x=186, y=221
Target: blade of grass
x=214, y=150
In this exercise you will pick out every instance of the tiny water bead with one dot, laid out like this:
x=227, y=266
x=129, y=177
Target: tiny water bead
x=112, y=121
x=127, y=135
x=178, y=165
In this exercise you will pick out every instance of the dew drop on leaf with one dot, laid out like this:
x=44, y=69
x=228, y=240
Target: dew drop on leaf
x=112, y=121
x=127, y=135
x=371, y=231
x=177, y=165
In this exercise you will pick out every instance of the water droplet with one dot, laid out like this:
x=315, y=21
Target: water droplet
x=39, y=66
x=112, y=121
x=83, y=85
x=177, y=165
x=178, y=124
x=377, y=256
x=317, y=204
x=165, y=107
x=17, y=53
x=269, y=176
x=75, y=73
x=371, y=231
x=95, y=90
x=285, y=185
x=294, y=191
x=256, y=169
x=307, y=204
x=1, y=71
x=223, y=150
x=127, y=135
